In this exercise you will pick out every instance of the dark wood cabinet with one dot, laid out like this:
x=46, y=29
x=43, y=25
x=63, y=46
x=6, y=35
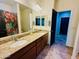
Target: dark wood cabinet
x=30, y=54
x=44, y=41
x=39, y=46
x=41, y=43
x=21, y=52
x=32, y=50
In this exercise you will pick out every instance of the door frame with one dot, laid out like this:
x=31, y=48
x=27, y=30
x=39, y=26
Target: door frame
x=76, y=45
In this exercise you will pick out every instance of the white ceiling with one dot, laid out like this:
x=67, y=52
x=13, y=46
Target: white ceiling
x=40, y=2
x=44, y=4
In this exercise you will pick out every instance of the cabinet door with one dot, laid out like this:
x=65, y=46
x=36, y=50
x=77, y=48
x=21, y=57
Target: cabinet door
x=39, y=46
x=41, y=43
x=44, y=40
x=31, y=54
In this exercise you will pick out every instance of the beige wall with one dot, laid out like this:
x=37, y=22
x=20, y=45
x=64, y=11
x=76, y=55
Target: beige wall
x=62, y=5
x=25, y=18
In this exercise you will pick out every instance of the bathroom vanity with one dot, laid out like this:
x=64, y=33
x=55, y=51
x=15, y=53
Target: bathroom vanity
x=34, y=44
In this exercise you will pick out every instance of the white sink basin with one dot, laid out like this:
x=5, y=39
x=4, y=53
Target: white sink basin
x=18, y=43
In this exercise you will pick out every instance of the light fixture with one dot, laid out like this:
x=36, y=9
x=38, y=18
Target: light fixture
x=36, y=7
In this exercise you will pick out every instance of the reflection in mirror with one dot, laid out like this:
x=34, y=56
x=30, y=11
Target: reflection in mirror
x=8, y=23
x=25, y=18
x=38, y=21
x=43, y=21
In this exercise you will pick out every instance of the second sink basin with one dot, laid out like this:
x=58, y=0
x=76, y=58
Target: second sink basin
x=18, y=43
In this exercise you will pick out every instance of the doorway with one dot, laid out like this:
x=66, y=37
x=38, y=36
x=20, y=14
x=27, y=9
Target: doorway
x=62, y=27
x=59, y=28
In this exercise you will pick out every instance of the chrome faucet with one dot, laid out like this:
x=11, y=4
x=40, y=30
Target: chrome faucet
x=14, y=38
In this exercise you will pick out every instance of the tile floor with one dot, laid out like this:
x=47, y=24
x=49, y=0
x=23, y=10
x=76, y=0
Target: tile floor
x=56, y=51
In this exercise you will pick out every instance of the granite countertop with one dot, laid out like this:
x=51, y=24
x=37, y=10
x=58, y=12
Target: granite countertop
x=6, y=50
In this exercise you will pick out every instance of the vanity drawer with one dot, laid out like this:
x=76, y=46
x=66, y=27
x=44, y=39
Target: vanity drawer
x=38, y=40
